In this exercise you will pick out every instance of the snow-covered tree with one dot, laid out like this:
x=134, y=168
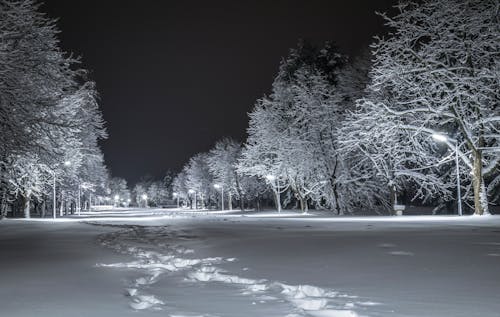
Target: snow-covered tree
x=119, y=190
x=179, y=187
x=386, y=159
x=222, y=162
x=293, y=132
x=199, y=179
x=277, y=148
x=438, y=72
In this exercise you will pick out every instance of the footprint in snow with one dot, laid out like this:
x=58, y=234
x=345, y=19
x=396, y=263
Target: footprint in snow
x=401, y=253
x=386, y=245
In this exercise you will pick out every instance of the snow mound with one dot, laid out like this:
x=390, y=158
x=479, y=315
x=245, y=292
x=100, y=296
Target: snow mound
x=212, y=274
x=334, y=313
x=302, y=291
x=310, y=303
x=131, y=291
x=141, y=302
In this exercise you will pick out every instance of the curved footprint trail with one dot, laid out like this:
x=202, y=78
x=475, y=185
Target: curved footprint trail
x=157, y=255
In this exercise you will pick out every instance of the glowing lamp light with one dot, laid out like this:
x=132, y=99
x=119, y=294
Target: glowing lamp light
x=270, y=177
x=440, y=137
x=67, y=163
x=144, y=197
x=117, y=197
x=191, y=191
x=217, y=186
x=175, y=194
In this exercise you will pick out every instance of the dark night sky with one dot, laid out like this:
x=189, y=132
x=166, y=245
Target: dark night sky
x=176, y=76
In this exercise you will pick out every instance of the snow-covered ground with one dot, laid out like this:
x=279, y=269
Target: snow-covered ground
x=132, y=262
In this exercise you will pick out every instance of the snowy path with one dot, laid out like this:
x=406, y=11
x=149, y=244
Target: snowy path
x=159, y=255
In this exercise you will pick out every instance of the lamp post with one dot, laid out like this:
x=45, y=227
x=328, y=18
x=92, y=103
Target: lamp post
x=191, y=191
x=54, y=201
x=145, y=198
x=219, y=186
x=177, y=196
x=443, y=138
x=276, y=186
x=117, y=200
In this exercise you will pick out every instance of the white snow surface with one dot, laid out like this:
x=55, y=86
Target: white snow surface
x=152, y=262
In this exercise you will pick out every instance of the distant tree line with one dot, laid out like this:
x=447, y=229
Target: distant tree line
x=149, y=192
x=366, y=133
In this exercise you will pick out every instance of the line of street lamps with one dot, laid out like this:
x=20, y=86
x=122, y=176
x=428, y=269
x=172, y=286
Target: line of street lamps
x=194, y=195
x=271, y=178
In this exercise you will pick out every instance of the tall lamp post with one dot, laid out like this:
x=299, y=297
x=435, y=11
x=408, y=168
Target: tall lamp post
x=276, y=186
x=145, y=199
x=443, y=138
x=219, y=186
x=54, y=201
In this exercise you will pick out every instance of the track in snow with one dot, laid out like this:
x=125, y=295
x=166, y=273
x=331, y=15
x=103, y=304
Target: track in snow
x=159, y=255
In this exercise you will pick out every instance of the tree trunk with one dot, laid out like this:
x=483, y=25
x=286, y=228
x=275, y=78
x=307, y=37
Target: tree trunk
x=3, y=197
x=301, y=200
x=258, y=202
x=240, y=191
x=394, y=198
x=242, y=203
x=333, y=182
x=26, y=205
x=3, y=203
x=61, y=206
x=480, y=196
x=230, y=201
x=43, y=208
x=277, y=200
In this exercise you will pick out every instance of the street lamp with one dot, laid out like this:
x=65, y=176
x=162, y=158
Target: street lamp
x=276, y=186
x=219, y=186
x=191, y=191
x=54, y=202
x=177, y=196
x=145, y=198
x=443, y=138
